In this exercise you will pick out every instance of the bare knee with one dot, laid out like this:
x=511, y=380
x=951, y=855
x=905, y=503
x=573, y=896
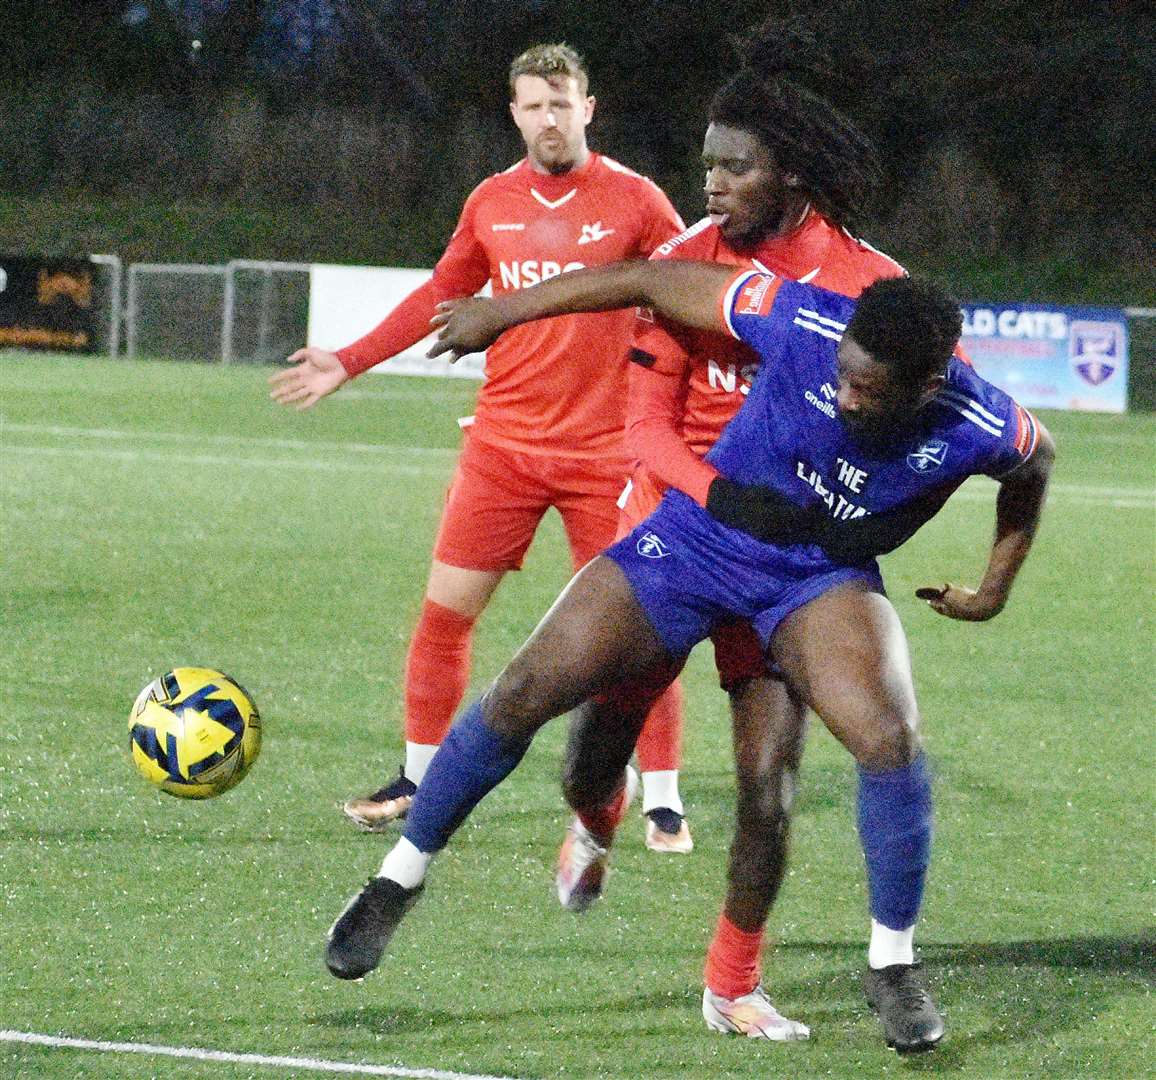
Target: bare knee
x=889, y=741
x=520, y=701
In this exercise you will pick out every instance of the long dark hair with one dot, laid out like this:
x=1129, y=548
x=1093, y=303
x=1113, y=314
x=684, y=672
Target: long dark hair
x=773, y=96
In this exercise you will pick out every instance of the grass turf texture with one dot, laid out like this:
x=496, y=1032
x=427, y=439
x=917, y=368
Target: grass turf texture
x=163, y=514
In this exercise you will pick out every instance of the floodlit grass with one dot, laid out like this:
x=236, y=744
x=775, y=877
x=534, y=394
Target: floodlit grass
x=164, y=514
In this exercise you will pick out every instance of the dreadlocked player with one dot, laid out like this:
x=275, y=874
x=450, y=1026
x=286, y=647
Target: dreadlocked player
x=804, y=499
x=785, y=173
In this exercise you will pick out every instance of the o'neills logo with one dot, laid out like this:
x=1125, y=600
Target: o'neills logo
x=824, y=407
x=755, y=296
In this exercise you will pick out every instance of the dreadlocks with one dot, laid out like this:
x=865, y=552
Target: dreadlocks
x=805, y=134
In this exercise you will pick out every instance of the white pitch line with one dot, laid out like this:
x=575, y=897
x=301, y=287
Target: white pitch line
x=116, y=435
x=165, y=457
x=979, y=489
x=271, y=1060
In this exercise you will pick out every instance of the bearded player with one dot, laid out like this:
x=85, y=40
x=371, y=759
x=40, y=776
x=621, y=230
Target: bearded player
x=548, y=425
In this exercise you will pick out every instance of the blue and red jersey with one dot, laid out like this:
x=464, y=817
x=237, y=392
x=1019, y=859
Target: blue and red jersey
x=789, y=435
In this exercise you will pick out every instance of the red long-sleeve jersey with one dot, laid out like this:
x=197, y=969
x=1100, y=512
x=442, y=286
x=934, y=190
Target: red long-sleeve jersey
x=557, y=386
x=687, y=384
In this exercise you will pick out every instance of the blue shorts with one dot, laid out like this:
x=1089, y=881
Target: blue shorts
x=689, y=572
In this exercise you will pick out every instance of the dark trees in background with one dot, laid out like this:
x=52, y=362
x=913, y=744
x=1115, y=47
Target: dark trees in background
x=1013, y=126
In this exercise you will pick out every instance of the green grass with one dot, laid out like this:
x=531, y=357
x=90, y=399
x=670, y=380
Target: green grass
x=161, y=514
x=160, y=229
x=144, y=228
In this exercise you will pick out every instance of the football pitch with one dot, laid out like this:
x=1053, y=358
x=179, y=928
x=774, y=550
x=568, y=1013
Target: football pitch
x=161, y=514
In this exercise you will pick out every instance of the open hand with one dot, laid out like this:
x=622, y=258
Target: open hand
x=468, y=325
x=317, y=374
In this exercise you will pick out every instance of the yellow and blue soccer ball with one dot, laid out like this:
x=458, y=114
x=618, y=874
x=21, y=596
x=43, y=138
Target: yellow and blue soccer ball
x=194, y=732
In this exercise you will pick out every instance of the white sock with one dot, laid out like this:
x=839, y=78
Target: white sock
x=405, y=864
x=417, y=759
x=660, y=789
x=890, y=946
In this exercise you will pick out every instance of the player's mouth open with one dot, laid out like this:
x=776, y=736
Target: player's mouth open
x=718, y=219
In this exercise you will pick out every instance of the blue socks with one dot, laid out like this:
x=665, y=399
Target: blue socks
x=895, y=830
x=471, y=762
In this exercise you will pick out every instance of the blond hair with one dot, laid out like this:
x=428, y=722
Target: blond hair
x=550, y=62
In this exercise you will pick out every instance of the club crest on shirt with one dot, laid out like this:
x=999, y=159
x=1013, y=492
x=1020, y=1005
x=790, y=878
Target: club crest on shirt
x=650, y=546
x=928, y=457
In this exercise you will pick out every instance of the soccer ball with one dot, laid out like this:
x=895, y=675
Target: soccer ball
x=194, y=733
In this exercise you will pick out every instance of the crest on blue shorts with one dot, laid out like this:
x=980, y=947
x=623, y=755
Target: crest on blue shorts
x=650, y=546
x=928, y=457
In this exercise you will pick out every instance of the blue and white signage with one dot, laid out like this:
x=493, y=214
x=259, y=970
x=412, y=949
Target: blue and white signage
x=1051, y=357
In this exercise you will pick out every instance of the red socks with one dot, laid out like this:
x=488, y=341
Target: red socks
x=437, y=672
x=660, y=743
x=732, y=961
x=604, y=821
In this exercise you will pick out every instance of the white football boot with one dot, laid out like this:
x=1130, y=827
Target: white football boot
x=582, y=861
x=752, y=1015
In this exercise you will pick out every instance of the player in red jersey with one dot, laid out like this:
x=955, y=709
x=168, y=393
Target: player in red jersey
x=783, y=172
x=549, y=420
x=685, y=385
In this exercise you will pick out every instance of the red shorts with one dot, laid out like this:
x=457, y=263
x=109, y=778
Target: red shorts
x=738, y=654
x=498, y=496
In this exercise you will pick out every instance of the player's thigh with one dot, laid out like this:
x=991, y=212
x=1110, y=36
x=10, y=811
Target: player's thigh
x=845, y=654
x=769, y=724
x=604, y=729
x=600, y=740
x=595, y=636
x=493, y=507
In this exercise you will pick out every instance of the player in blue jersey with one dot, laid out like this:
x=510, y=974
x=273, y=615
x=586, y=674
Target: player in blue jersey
x=857, y=428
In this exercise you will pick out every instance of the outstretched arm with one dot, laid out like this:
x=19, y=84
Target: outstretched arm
x=461, y=271
x=1017, y=515
x=687, y=292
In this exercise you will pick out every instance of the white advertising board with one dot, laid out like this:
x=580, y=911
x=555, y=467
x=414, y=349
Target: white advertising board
x=346, y=302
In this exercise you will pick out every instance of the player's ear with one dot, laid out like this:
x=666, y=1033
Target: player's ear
x=590, y=103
